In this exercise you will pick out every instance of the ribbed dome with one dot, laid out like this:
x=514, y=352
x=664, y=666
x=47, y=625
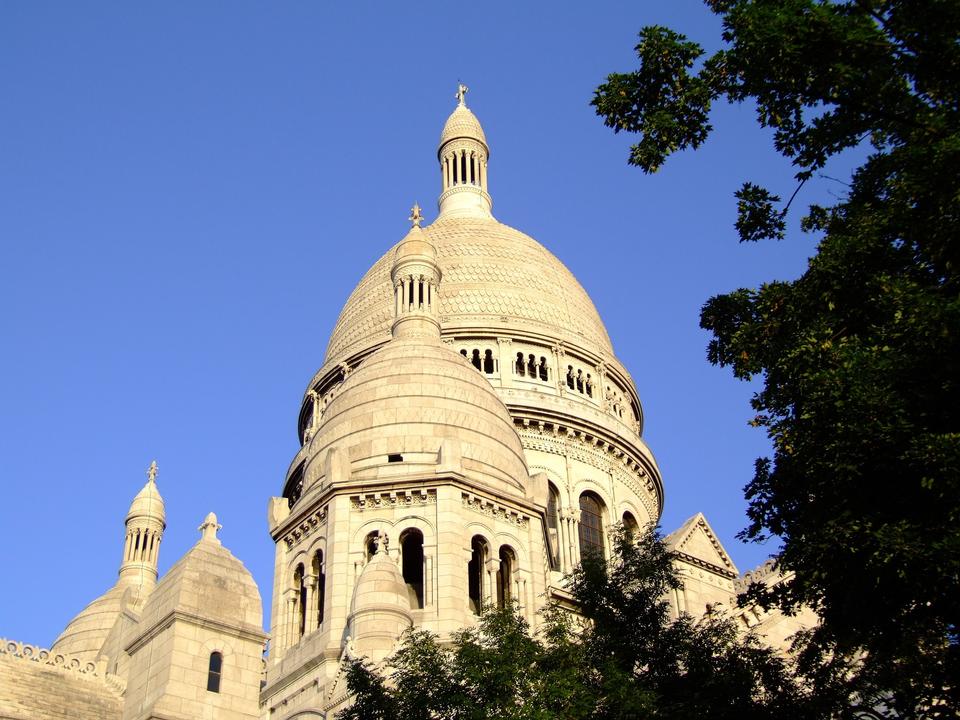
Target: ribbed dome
x=493, y=276
x=462, y=124
x=409, y=398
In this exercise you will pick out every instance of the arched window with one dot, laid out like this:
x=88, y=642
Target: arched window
x=521, y=366
x=580, y=381
x=553, y=526
x=300, y=586
x=476, y=359
x=591, y=524
x=411, y=551
x=505, y=576
x=214, y=671
x=630, y=524
x=370, y=544
x=488, y=362
x=589, y=386
x=532, y=366
x=463, y=352
x=570, y=376
x=543, y=368
x=475, y=570
x=321, y=576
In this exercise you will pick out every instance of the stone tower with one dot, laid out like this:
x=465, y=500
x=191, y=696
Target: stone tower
x=471, y=411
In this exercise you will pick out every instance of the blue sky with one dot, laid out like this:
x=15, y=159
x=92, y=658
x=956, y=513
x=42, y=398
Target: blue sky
x=189, y=191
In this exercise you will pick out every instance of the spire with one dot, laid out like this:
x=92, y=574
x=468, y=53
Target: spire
x=416, y=278
x=463, y=155
x=146, y=521
x=208, y=529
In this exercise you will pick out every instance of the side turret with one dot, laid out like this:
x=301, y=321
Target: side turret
x=146, y=521
x=416, y=279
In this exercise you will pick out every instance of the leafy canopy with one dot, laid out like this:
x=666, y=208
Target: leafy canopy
x=626, y=659
x=859, y=356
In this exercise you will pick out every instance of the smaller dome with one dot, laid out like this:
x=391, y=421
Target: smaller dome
x=148, y=503
x=462, y=123
x=410, y=397
x=415, y=246
x=380, y=586
x=85, y=635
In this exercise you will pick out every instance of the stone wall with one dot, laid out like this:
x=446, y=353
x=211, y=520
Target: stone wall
x=36, y=684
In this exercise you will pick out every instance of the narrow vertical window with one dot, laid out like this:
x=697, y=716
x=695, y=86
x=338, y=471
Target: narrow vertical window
x=321, y=584
x=591, y=525
x=300, y=587
x=488, y=362
x=214, y=672
x=411, y=550
x=570, y=376
x=505, y=577
x=543, y=368
x=521, y=366
x=475, y=569
x=476, y=359
x=553, y=526
x=532, y=366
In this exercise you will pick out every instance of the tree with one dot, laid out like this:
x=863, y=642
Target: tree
x=859, y=357
x=624, y=659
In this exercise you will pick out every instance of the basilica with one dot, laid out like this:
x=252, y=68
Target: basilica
x=469, y=435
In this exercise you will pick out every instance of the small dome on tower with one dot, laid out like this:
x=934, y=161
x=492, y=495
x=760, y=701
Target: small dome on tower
x=148, y=502
x=462, y=123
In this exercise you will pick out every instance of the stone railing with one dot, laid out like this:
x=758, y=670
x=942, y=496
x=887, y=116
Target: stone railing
x=13, y=650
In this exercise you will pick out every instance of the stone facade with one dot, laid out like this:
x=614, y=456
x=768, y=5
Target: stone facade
x=469, y=434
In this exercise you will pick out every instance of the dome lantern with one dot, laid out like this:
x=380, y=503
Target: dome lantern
x=463, y=155
x=415, y=275
x=146, y=521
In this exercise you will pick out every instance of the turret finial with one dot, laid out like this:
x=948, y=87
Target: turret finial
x=209, y=528
x=416, y=216
x=462, y=91
x=152, y=472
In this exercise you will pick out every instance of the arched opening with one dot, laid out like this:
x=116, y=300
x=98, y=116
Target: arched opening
x=456, y=167
x=570, y=376
x=543, y=368
x=370, y=544
x=475, y=360
x=630, y=524
x=321, y=576
x=488, y=362
x=214, y=672
x=580, y=381
x=591, y=525
x=300, y=586
x=505, y=576
x=464, y=353
x=411, y=553
x=475, y=570
x=553, y=526
x=463, y=167
x=589, y=386
x=521, y=365
x=532, y=366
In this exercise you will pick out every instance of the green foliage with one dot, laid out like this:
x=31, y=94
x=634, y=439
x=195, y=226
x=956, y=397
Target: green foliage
x=625, y=659
x=860, y=356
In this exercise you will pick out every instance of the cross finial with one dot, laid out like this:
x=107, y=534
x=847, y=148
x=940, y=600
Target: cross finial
x=462, y=94
x=416, y=217
x=152, y=472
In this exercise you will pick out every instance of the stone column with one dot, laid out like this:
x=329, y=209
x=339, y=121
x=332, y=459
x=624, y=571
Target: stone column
x=504, y=346
x=310, y=611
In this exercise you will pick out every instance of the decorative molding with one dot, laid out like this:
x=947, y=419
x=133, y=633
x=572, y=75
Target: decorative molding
x=397, y=498
x=306, y=526
x=24, y=652
x=495, y=510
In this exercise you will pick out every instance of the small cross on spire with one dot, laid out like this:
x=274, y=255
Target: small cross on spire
x=462, y=94
x=152, y=472
x=416, y=217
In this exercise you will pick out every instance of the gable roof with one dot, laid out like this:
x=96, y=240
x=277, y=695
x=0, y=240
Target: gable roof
x=696, y=543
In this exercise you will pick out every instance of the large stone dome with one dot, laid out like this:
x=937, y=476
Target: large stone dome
x=493, y=277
